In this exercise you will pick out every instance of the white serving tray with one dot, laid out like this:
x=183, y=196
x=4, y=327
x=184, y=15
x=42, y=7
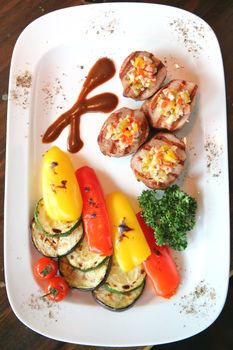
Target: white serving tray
x=53, y=55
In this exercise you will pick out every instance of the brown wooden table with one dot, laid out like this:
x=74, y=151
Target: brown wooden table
x=15, y=15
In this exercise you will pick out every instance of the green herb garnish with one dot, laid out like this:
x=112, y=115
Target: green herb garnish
x=171, y=215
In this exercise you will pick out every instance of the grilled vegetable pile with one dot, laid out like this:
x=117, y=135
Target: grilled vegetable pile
x=78, y=231
x=101, y=245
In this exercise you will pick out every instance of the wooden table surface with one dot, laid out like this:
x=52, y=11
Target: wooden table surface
x=15, y=15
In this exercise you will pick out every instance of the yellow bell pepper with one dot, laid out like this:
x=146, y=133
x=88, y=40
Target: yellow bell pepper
x=130, y=245
x=61, y=193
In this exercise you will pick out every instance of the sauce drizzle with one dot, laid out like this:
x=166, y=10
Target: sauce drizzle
x=102, y=71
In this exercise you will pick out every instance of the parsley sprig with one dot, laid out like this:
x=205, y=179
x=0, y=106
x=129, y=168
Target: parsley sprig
x=171, y=215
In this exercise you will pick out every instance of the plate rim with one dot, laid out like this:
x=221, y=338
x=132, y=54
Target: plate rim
x=21, y=36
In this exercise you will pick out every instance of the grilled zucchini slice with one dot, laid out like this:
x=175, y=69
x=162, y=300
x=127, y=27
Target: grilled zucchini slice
x=51, y=227
x=83, y=259
x=86, y=281
x=120, y=281
x=117, y=301
x=55, y=246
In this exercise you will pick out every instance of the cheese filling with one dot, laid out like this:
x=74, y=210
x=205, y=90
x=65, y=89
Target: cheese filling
x=125, y=131
x=142, y=74
x=158, y=162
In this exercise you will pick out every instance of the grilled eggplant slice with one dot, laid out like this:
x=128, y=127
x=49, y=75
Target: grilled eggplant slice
x=83, y=259
x=120, y=281
x=55, y=246
x=81, y=280
x=50, y=227
x=117, y=301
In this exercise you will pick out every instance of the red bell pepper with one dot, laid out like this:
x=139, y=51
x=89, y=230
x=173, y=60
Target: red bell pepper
x=95, y=216
x=159, y=266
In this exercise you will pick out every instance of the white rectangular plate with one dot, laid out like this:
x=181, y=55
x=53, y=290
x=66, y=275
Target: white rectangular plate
x=50, y=61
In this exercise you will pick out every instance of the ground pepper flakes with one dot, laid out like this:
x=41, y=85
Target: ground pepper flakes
x=199, y=301
x=191, y=34
x=24, y=80
x=21, y=94
x=213, y=152
x=37, y=303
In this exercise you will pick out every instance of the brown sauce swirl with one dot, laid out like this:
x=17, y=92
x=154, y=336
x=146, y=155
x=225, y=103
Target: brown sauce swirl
x=102, y=71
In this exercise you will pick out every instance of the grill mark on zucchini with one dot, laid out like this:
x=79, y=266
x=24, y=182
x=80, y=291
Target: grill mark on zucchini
x=55, y=246
x=86, y=281
x=117, y=301
x=123, y=282
x=83, y=259
x=53, y=228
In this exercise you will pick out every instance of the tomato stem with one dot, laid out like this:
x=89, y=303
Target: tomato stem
x=45, y=271
x=53, y=291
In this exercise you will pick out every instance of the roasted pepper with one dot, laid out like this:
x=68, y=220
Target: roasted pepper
x=130, y=245
x=159, y=266
x=94, y=215
x=61, y=193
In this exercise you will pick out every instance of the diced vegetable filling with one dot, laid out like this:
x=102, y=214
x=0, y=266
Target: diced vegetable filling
x=173, y=103
x=142, y=74
x=125, y=131
x=159, y=161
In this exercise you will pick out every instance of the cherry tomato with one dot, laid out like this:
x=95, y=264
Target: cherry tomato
x=45, y=268
x=56, y=289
